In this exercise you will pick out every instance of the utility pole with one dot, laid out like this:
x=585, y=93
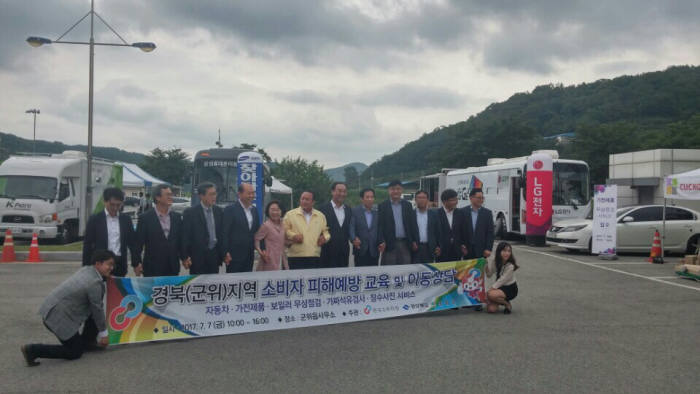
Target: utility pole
x=35, y=112
x=218, y=143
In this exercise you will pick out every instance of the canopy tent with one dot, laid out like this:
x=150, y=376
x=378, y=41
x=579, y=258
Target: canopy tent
x=135, y=176
x=683, y=186
x=280, y=188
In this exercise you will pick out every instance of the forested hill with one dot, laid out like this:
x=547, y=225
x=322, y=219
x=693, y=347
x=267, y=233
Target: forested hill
x=648, y=111
x=11, y=144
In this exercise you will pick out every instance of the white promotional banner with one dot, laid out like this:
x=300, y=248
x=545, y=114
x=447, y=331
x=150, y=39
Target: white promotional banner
x=604, y=241
x=162, y=308
x=684, y=186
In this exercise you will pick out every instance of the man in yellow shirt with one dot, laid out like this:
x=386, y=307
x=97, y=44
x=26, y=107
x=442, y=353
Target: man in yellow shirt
x=307, y=229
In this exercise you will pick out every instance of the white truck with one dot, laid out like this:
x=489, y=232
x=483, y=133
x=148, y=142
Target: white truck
x=503, y=183
x=46, y=194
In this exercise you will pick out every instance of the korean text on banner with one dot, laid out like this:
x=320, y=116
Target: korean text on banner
x=162, y=308
x=539, y=194
x=604, y=232
x=250, y=170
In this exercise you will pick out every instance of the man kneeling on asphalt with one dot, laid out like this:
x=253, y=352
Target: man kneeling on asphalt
x=76, y=300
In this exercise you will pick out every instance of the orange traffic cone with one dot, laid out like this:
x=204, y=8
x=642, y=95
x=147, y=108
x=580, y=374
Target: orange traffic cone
x=33, y=256
x=8, y=248
x=655, y=255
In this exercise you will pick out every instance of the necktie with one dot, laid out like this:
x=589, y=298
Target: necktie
x=211, y=228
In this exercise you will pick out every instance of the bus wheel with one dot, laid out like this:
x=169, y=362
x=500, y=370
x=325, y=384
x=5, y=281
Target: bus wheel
x=501, y=227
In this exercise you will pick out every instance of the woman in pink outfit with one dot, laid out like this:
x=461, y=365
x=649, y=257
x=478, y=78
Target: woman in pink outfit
x=272, y=231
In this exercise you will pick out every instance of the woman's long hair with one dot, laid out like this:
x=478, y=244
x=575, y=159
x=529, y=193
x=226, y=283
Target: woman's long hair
x=499, y=260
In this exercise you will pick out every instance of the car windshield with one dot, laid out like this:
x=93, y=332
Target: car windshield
x=622, y=211
x=20, y=186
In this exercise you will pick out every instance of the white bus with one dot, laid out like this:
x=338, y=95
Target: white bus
x=503, y=182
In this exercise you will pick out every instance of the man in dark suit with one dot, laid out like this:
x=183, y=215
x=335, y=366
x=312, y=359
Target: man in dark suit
x=78, y=299
x=426, y=230
x=336, y=252
x=159, y=232
x=450, y=225
x=111, y=230
x=396, y=230
x=363, y=231
x=202, y=239
x=478, y=226
x=241, y=222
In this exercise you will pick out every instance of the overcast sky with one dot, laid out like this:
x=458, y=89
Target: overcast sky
x=330, y=81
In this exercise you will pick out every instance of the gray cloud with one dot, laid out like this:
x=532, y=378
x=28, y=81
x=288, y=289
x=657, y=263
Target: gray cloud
x=365, y=73
x=531, y=36
x=396, y=95
x=411, y=96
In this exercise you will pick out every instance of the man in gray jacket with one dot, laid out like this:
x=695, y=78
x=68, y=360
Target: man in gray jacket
x=363, y=231
x=76, y=300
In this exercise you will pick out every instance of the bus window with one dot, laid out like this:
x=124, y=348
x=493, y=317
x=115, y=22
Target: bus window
x=219, y=166
x=570, y=184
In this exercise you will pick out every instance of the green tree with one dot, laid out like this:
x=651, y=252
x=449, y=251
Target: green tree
x=171, y=165
x=648, y=111
x=300, y=175
x=351, y=176
x=254, y=148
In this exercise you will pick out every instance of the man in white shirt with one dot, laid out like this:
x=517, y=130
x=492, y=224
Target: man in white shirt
x=450, y=243
x=111, y=230
x=336, y=252
x=427, y=228
x=241, y=222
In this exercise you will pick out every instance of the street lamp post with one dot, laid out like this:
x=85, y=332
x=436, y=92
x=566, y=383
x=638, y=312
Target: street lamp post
x=144, y=46
x=35, y=112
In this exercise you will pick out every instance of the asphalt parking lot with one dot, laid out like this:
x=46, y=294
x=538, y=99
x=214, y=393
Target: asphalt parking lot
x=579, y=324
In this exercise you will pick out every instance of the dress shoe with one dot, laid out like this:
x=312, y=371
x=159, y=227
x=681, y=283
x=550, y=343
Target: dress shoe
x=26, y=352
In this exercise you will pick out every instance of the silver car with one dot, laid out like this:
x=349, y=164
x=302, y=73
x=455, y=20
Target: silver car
x=635, y=230
x=180, y=204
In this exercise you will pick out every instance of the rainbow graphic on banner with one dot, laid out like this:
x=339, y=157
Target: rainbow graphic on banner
x=475, y=183
x=164, y=308
x=130, y=317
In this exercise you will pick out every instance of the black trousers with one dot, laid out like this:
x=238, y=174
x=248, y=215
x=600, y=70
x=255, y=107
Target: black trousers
x=423, y=255
x=475, y=252
x=335, y=255
x=120, y=266
x=301, y=263
x=209, y=265
x=450, y=253
x=366, y=260
x=70, y=349
x=240, y=266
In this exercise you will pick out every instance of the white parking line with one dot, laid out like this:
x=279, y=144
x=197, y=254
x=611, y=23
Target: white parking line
x=621, y=263
x=651, y=278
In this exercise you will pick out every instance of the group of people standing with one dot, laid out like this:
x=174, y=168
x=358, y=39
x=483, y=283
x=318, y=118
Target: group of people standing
x=207, y=236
